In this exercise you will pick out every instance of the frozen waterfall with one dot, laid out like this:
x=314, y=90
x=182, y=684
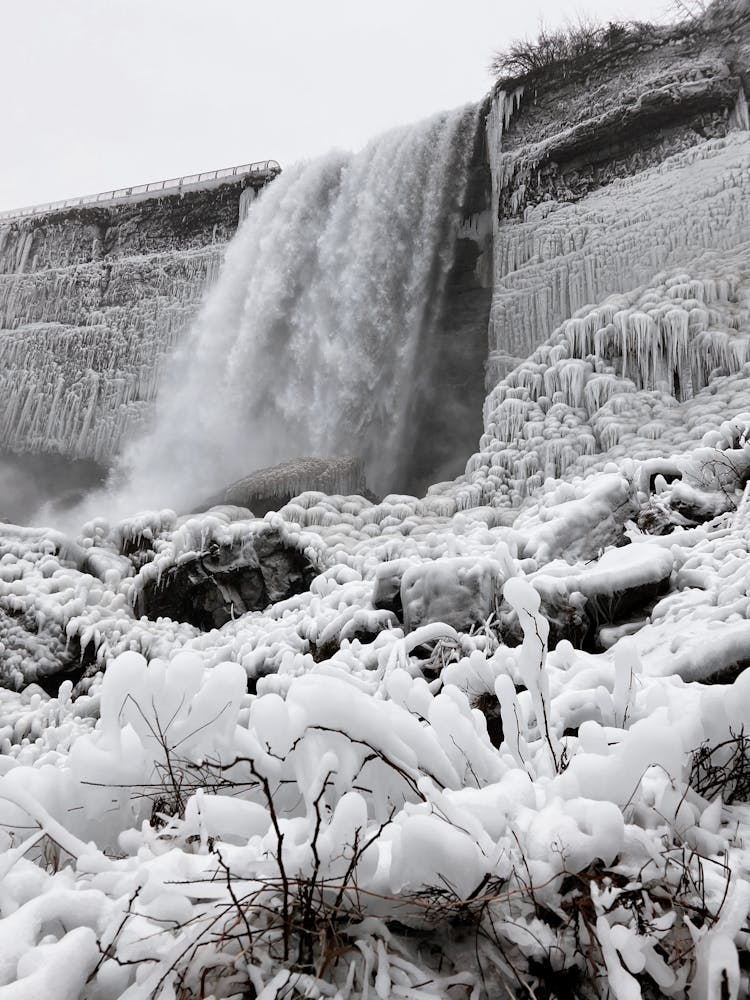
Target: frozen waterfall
x=316, y=338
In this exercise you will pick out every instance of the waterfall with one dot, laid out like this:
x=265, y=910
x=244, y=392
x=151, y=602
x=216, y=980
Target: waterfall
x=315, y=339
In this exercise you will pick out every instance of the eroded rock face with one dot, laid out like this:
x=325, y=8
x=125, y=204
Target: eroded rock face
x=210, y=588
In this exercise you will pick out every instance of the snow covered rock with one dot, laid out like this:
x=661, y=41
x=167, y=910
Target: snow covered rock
x=211, y=587
x=460, y=592
x=271, y=489
x=625, y=581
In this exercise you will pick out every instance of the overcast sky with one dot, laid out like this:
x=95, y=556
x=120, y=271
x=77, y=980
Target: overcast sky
x=98, y=94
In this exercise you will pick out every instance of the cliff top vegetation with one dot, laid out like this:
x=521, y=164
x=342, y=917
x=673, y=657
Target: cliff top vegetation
x=570, y=48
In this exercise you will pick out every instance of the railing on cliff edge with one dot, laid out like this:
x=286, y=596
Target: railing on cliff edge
x=265, y=169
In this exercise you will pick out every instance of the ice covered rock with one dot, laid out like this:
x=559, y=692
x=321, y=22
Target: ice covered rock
x=211, y=587
x=460, y=592
x=29, y=653
x=624, y=582
x=386, y=592
x=697, y=505
x=272, y=488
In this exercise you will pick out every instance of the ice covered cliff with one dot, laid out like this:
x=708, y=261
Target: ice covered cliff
x=93, y=298
x=486, y=742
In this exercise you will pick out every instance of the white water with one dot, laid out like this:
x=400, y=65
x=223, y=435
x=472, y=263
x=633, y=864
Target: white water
x=313, y=340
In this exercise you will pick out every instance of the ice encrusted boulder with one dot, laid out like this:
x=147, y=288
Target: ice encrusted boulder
x=29, y=653
x=460, y=592
x=625, y=581
x=272, y=488
x=211, y=587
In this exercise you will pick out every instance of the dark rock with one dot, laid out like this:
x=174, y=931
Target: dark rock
x=659, y=106
x=658, y=518
x=489, y=706
x=612, y=590
x=213, y=587
x=580, y=619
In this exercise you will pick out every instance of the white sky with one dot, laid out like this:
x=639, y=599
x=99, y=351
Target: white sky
x=98, y=94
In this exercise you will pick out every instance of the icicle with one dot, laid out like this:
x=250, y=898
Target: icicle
x=739, y=116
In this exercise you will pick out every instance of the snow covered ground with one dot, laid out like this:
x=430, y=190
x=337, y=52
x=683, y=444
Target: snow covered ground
x=496, y=747
x=349, y=793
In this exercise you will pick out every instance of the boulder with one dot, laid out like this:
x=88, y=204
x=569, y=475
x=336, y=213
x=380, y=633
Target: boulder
x=210, y=588
x=272, y=488
x=458, y=591
x=619, y=586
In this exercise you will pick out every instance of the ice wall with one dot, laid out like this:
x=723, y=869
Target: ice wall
x=81, y=375
x=92, y=301
x=574, y=220
x=562, y=257
x=619, y=322
x=653, y=369
x=316, y=339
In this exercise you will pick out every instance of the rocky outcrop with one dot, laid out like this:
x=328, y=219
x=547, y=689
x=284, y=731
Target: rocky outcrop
x=642, y=94
x=153, y=225
x=92, y=301
x=622, y=584
x=560, y=143
x=210, y=588
x=272, y=488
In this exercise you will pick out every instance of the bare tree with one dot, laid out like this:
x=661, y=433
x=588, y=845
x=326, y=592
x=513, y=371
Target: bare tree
x=568, y=44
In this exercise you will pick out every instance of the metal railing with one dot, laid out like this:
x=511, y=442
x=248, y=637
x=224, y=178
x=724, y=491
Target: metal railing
x=266, y=169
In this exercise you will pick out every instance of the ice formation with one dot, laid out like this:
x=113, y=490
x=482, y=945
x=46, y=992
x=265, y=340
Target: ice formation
x=145, y=816
x=83, y=347
x=496, y=744
x=563, y=257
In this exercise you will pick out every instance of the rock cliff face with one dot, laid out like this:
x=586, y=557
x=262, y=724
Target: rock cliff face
x=619, y=324
x=555, y=142
x=450, y=419
x=92, y=299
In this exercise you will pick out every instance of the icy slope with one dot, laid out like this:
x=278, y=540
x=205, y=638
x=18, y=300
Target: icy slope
x=382, y=782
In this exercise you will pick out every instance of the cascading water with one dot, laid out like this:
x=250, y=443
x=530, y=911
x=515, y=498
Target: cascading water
x=315, y=339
